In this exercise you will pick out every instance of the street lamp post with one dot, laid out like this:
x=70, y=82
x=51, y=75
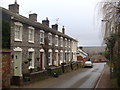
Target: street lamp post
x=111, y=68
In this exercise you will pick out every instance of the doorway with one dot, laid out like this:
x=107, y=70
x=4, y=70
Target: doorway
x=17, y=63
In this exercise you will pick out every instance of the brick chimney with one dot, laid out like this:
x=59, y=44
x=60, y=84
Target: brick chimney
x=63, y=30
x=14, y=7
x=55, y=26
x=45, y=22
x=33, y=17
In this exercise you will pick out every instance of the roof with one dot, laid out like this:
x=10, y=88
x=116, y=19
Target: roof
x=81, y=53
x=25, y=20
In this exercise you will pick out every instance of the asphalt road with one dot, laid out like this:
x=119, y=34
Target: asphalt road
x=82, y=78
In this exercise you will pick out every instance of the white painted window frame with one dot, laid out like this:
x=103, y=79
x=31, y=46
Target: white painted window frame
x=21, y=30
x=50, y=51
x=56, y=55
x=69, y=43
x=33, y=58
x=42, y=37
x=50, y=38
x=33, y=30
x=56, y=40
x=65, y=42
x=61, y=41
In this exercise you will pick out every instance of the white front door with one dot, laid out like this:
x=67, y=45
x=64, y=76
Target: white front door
x=18, y=63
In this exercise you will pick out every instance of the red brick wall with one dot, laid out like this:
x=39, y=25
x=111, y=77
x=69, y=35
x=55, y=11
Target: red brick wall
x=6, y=68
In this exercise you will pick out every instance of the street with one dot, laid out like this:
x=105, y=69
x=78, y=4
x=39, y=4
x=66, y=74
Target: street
x=82, y=78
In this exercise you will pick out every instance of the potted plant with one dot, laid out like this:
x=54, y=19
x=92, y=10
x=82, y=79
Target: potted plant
x=31, y=70
x=29, y=59
x=25, y=61
x=38, y=68
x=38, y=59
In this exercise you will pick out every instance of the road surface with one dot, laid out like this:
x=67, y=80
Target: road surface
x=82, y=78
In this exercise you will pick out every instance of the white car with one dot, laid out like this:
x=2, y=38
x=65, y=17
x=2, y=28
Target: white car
x=88, y=64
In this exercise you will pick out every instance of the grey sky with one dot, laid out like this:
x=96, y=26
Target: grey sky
x=78, y=16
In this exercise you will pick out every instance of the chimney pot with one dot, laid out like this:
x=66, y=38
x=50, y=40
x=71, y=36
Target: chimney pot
x=14, y=7
x=33, y=17
x=63, y=30
x=55, y=26
x=45, y=22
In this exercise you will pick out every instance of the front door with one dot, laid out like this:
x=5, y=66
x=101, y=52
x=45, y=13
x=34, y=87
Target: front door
x=18, y=63
x=56, y=58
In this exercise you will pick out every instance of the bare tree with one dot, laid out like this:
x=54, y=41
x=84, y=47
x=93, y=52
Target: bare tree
x=110, y=14
x=110, y=10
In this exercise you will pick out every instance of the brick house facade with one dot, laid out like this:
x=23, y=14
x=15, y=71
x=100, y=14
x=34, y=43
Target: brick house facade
x=34, y=45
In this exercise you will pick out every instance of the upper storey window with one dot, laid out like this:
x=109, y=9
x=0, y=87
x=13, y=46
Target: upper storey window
x=41, y=37
x=50, y=38
x=61, y=43
x=65, y=42
x=31, y=35
x=56, y=40
x=18, y=31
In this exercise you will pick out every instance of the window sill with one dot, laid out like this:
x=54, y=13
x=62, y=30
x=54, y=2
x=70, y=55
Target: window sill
x=30, y=67
x=56, y=45
x=50, y=44
x=41, y=42
x=31, y=41
x=18, y=40
x=61, y=45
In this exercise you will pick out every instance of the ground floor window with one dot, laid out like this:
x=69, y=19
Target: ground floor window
x=61, y=57
x=49, y=58
x=31, y=58
x=69, y=56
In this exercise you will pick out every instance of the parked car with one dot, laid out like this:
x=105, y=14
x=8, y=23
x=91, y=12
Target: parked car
x=88, y=64
x=103, y=60
x=96, y=61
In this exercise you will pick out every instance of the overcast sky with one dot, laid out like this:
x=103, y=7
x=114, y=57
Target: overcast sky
x=78, y=16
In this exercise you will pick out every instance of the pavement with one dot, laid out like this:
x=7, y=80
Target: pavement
x=104, y=80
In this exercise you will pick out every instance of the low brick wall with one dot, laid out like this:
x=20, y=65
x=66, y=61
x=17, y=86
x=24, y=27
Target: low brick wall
x=57, y=70
x=42, y=75
x=6, y=68
x=67, y=68
x=35, y=76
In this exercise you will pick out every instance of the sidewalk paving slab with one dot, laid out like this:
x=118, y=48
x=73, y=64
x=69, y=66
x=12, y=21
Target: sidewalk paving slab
x=105, y=81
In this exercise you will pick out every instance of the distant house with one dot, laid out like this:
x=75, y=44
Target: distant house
x=81, y=55
x=34, y=45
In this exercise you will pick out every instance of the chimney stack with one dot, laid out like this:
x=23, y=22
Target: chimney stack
x=63, y=30
x=45, y=22
x=55, y=27
x=33, y=17
x=14, y=7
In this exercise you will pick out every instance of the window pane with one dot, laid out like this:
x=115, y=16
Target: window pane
x=17, y=32
x=31, y=35
x=41, y=37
